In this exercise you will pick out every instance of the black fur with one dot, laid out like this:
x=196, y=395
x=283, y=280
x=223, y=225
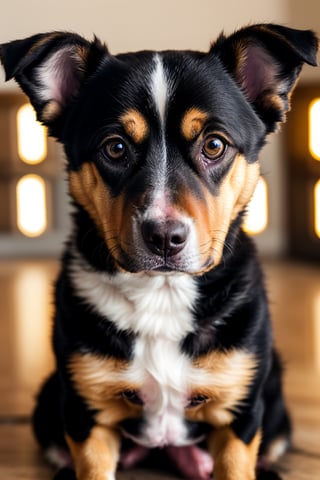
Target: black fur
x=231, y=311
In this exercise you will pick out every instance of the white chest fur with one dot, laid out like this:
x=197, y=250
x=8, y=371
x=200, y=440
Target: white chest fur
x=158, y=309
x=146, y=304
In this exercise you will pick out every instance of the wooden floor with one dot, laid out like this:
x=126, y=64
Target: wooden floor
x=25, y=359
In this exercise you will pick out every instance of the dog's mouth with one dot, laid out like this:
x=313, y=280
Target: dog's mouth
x=167, y=268
x=155, y=264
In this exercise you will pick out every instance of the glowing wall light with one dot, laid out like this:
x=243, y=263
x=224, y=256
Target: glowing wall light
x=317, y=208
x=31, y=205
x=32, y=139
x=256, y=219
x=314, y=128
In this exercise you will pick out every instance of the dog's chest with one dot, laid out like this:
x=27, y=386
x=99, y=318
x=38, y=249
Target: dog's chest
x=147, y=305
x=158, y=309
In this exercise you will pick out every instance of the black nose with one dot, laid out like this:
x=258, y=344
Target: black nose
x=165, y=238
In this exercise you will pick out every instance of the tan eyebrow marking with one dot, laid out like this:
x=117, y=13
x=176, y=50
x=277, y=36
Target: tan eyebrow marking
x=135, y=125
x=192, y=123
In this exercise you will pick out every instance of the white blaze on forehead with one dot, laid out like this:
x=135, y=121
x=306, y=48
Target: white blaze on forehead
x=159, y=87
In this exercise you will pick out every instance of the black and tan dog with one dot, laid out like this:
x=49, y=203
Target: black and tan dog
x=162, y=333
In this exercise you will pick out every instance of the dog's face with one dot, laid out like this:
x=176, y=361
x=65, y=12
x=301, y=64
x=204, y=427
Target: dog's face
x=161, y=165
x=161, y=147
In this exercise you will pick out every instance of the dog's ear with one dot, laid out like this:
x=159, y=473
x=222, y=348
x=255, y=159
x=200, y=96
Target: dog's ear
x=50, y=69
x=265, y=61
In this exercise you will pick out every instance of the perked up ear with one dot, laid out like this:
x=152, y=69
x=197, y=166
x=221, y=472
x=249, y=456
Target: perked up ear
x=265, y=61
x=50, y=68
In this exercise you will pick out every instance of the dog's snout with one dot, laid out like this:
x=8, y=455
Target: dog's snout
x=165, y=238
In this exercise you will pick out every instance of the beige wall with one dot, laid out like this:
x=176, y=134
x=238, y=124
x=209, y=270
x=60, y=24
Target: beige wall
x=138, y=24
x=147, y=24
x=305, y=14
x=152, y=24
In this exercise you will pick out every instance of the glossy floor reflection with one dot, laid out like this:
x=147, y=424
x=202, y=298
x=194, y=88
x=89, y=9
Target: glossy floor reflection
x=26, y=358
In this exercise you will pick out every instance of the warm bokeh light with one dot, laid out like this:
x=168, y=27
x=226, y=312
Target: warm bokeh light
x=314, y=128
x=31, y=205
x=316, y=318
x=33, y=310
x=32, y=138
x=317, y=208
x=256, y=219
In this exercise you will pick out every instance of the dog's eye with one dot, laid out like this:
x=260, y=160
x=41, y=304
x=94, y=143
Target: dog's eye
x=213, y=147
x=132, y=396
x=115, y=149
x=196, y=401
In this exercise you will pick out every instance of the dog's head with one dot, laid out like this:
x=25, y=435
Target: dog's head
x=162, y=147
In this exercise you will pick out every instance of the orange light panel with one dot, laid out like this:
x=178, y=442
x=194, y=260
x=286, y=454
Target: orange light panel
x=32, y=138
x=314, y=128
x=256, y=220
x=31, y=205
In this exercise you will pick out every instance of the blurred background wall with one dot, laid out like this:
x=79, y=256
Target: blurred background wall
x=145, y=24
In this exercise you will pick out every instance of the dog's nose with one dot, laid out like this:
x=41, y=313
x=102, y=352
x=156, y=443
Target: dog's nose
x=165, y=238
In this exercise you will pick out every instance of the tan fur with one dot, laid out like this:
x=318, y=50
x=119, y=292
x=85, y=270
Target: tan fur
x=96, y=458
x=214, y=214
x=229, y=376
x=44, y=40
x=233, y=459
x=235, y=192
x=100, y=381
x=198, y=210
x=83, y=54
x=135, y=125
x=50, y=111
x=192, y=123
x=90, y=191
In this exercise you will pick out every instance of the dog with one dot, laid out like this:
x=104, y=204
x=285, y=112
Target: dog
x=162, y=333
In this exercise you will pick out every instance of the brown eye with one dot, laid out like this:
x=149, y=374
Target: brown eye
x=115, y=149
x=196, y=401
x=132, y=396
x=213, y=148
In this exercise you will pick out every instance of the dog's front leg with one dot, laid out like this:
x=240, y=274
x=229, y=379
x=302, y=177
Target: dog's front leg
x=96, y=457
x=233, y=459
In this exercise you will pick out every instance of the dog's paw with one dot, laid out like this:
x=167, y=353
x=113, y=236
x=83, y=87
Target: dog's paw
x=66, y=473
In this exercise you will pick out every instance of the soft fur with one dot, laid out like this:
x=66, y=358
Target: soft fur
x=162, y=333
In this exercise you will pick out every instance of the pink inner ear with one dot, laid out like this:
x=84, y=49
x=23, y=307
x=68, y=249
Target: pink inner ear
x=258, y=72
x=59, y=76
